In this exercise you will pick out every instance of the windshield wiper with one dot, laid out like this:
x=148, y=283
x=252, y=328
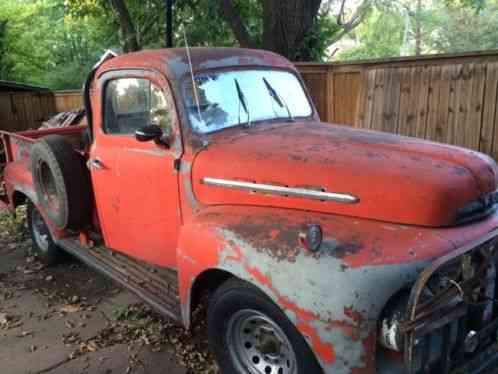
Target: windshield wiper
x=243, y=102
x=278, y=99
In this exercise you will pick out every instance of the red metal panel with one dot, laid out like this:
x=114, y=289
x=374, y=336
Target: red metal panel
x=136, y=193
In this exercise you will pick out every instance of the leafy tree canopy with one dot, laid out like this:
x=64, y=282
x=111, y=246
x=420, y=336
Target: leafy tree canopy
x=54, y=43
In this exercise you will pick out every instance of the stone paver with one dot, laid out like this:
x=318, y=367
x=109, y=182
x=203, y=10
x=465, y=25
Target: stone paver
x=45, y=314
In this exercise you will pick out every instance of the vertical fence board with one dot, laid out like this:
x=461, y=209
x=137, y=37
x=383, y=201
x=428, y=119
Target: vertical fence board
x=433, y=128
x=316, y=82
x=406, y=109
x=488, y=131
x=463, y=94
x=378, y=100
x=365, y=107
x=346, y=87
x=391, y=101
x=424, y=77
x=476, y=104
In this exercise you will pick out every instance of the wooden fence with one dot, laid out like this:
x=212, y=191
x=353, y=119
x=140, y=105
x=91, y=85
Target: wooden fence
x=26, y=110
x=447, y=98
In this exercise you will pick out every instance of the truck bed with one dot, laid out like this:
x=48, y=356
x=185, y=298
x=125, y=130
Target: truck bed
x=15, y=168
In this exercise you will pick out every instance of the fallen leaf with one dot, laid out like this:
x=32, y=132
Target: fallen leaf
x=4, y=318
x=70, y=308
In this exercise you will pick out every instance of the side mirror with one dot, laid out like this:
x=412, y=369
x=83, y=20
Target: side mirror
x=148, y=133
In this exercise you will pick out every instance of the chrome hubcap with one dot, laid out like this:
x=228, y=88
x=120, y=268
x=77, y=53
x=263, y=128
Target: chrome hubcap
x=258, y=345
x=40, y=231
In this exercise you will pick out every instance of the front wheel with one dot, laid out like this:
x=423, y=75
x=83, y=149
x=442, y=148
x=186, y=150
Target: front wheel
x=43, y=244
x=251, y=335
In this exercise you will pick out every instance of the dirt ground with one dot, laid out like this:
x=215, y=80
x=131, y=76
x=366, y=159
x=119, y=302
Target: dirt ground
x=68, y=319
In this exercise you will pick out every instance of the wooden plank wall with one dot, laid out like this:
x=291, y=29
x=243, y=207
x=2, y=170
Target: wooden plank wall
x=66, y=101
x=450, y=99
x=26, y=110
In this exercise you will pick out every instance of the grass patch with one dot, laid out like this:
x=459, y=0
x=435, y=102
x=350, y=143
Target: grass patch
x=13, y=226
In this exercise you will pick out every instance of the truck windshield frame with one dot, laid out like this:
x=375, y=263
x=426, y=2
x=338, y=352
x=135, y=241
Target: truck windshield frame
x=220, y=107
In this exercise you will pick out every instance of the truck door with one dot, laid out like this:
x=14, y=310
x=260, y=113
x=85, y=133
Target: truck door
x=136, y=184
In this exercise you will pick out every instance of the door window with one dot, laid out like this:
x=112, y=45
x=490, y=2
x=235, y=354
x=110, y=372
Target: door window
x=131, y=103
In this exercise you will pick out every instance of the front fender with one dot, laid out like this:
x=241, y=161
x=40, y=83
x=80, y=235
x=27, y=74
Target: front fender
x=333, y=297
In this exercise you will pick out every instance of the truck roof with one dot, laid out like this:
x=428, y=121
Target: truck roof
x=173, y=62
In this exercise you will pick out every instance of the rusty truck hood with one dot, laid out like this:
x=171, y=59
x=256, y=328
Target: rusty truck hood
x=394, y=179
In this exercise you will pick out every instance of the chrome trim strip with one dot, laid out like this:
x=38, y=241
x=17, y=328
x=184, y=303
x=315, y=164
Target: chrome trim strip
x=280, y=190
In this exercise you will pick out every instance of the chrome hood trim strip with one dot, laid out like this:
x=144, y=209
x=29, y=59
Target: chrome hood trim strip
x=282, y=191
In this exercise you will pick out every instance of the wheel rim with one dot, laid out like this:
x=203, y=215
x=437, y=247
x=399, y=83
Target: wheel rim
x=258, y=345
x=40, y=231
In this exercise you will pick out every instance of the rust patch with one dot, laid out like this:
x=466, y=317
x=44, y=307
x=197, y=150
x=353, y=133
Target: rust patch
x=275, y=236
x=341, y=249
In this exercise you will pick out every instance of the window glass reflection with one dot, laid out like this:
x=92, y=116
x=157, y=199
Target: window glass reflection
x=221, y=104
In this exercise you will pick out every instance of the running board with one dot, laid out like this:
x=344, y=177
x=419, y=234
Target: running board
x=156, y=286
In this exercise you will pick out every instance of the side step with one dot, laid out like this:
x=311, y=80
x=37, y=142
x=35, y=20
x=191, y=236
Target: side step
x=156, y=286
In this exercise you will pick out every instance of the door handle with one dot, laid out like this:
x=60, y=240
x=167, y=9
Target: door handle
x=95, y=164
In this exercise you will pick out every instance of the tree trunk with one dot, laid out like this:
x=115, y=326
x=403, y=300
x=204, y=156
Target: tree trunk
x=418, y=29
x=128, y=30
x=232, y=16
x=287, y=24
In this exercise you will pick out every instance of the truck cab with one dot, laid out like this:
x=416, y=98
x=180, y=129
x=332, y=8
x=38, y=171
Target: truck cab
x=206, y=174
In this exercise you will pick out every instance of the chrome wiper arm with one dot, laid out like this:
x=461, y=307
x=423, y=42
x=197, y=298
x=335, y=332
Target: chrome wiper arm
x=242, y=101
x=278, y=99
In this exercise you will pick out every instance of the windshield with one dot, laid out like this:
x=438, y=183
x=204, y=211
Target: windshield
x=231, y=98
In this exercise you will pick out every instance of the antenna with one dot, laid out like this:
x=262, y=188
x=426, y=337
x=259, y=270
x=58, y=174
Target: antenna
x=194, y=86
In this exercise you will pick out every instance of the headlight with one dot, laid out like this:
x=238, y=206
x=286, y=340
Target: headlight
x=390, y=335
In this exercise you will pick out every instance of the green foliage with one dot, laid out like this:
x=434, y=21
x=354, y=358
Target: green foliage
x=381, y=35
x=54, y=43
x=44, y=44
x=445, y=27
x=203, y=24
x=463, y=29
x=13, y=225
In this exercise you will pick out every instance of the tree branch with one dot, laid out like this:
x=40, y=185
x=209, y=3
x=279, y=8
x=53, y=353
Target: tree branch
x=128, y=30
x=234, y=20
x=340, y=15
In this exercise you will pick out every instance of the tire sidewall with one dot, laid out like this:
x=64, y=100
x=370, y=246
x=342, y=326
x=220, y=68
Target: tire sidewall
x=59, y=216
x=237, y=295
x=70, y=179
x=52, y=255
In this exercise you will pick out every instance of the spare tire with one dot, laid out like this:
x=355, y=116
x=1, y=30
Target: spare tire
x=61, y=182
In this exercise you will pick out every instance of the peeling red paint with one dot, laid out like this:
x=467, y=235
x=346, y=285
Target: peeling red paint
x=323, y=349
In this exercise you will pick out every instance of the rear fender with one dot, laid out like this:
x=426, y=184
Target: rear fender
x=18, y=180
x=18, y=185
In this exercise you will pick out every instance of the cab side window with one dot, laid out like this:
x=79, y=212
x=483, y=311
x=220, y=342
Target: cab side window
x=131, y=103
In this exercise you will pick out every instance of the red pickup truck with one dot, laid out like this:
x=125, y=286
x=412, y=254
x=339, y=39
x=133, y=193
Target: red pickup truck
x=207, y=175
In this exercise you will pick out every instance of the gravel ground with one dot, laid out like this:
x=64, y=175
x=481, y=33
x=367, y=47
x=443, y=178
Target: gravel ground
x=68, y=318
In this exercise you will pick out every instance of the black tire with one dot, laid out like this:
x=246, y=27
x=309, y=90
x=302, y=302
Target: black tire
x=44, y=248
x=235, y=298
x=61, y=182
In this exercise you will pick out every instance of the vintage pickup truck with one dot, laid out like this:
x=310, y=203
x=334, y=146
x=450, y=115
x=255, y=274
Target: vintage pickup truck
x=206, y=176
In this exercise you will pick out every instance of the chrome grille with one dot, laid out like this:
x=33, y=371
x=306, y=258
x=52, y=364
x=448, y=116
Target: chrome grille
x=452, y=314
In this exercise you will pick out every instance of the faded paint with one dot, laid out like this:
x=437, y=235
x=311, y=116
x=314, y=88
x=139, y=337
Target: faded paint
x=416, y=182
x=149, y=209
x=334, y=299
